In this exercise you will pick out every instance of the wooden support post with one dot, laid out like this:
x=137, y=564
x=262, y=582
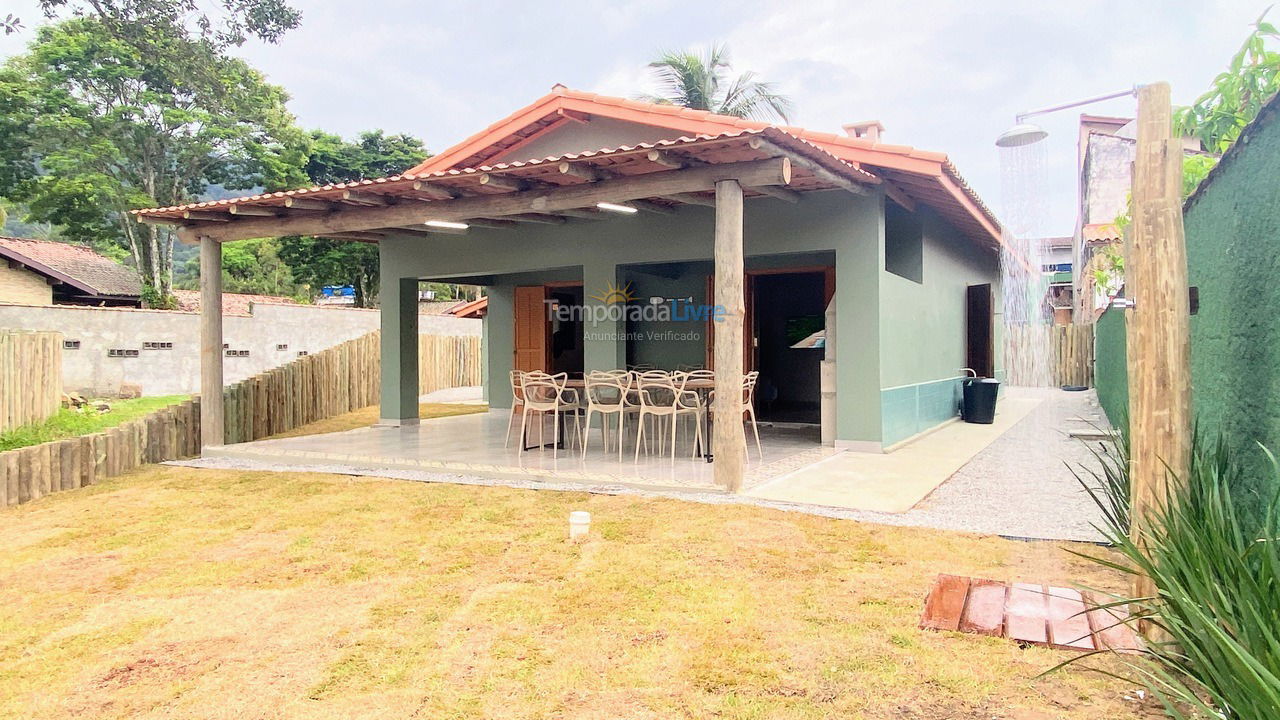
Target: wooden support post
x=728, y=437
x=1159, y=346
x=211, y=417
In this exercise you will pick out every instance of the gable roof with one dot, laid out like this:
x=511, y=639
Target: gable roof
x=924, y=176
x=75, y=265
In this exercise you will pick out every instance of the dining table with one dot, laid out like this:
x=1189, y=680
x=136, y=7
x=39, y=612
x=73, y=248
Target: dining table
x=702, y=386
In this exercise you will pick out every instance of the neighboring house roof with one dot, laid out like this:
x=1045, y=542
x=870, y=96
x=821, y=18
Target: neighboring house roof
x=76, y=266
x=232, y=303
x=1100, y=233
x=928, y=177
x=477, y=308
x=1266, y=114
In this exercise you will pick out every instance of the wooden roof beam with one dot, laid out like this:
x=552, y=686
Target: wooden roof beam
x=435, y=191
x=489, y=223
x=152, y=220
x=584, y=213
x=692, y=199
x=357, y=236
x=781, y=193
x=537, y=218
x=652, y=207
x=206, y=216
x=365, y=198
x=753, y=173
x=254, y=210
x=586, y=172
x=297, y=203
x=501, y=182
x=759, y=143
x=667, y=158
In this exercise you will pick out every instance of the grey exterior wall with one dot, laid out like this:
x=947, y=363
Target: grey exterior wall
x=89, y=369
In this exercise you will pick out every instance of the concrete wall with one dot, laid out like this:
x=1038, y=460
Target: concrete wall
x=923, y=341
x=19, y=285
x=1108, y=173
x=176, y=370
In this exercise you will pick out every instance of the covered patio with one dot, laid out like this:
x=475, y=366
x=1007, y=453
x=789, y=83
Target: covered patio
x=412, y=214
x=474, y=445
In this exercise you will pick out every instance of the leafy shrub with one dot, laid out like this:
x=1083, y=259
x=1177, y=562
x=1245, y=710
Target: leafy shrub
x=1213, y=628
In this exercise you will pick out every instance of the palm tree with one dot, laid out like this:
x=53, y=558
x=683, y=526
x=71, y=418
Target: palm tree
x=703, y=83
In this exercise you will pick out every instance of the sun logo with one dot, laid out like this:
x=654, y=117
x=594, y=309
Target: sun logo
x=616, y=295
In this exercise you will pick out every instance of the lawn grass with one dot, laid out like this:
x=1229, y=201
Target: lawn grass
x=68, y=423
x=174, y=592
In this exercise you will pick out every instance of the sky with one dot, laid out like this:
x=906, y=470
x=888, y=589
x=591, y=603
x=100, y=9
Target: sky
x=941, y=75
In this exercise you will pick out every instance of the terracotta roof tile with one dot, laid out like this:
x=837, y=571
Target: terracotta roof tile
x=75, y=265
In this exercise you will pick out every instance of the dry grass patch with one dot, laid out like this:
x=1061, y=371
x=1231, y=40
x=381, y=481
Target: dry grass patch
x=197, y=593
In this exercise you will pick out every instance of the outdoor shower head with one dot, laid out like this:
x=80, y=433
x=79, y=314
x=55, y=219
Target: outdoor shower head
x=1024, y=133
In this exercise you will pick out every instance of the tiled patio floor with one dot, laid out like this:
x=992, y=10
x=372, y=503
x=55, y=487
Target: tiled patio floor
x=474, y=444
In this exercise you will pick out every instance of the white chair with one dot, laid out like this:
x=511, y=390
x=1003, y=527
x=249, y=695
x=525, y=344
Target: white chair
x=660, y=399
x=749, y=382
x=608, y=393
x=517, y=401
x=545, y=393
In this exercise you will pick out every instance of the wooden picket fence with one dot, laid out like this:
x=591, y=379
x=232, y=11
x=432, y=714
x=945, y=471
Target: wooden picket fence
x=38, y=470
x=1049, y=355
x=340, y=379
x=314, y=387
x=30, y=376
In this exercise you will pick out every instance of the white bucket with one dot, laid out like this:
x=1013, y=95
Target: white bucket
x=579, y=524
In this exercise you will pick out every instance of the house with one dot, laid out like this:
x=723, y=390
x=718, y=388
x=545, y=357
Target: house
x=615, y=233
x=1056, y=265
x=1232, y=223
x=1105, y=153
x=46, y=272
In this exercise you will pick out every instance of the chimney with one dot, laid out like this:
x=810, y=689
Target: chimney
x=867, y=130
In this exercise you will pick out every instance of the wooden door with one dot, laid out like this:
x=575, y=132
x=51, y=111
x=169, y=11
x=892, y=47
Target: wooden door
x=979, y=322
x=532, y=346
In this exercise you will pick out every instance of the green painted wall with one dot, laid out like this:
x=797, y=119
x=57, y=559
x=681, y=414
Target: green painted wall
x=848, y=225
x=1233, y=257
x=1110, y=368
x=922, y=330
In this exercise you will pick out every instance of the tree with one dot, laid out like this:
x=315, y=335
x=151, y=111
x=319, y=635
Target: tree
x=319, y=261
x=703, y=83
x=1252, y=77
x=128, y=106
x=248, y=266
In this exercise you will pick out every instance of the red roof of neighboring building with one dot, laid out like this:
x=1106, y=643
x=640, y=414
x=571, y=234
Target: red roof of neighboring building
x=74, y=265
x=926, y=176
x=470, y=309
x=232, y=303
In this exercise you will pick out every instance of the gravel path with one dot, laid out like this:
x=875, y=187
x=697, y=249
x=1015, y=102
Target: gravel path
x=1022, y=485
x=1019, y=486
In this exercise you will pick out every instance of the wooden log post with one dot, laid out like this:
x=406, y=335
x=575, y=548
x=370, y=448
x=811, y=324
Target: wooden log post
x=729, y=441
x=1159, y=346
x=211, y=355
